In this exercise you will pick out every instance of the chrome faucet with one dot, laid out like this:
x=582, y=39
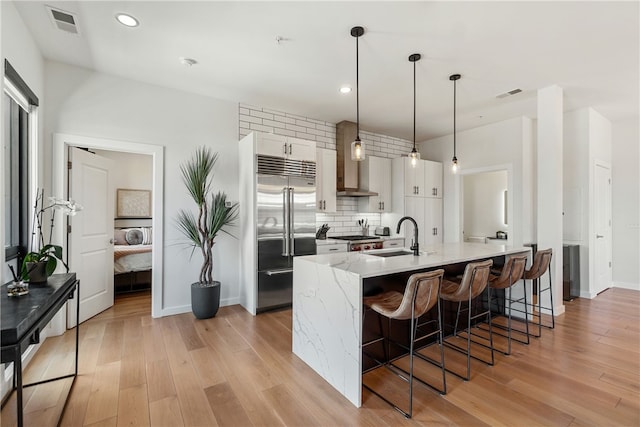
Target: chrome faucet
x=415, y=247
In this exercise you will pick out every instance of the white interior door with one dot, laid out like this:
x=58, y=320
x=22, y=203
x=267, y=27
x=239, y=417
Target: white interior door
x=91, y=238
x=602, y=246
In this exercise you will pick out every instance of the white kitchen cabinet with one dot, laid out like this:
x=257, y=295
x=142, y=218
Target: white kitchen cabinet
x=331, y=248
x=422, y=180
x=325, y=180
x=300, y=149
x=415, y=208
x=283, y=146
x=432, y=221
x=417, y=192
x=375, y=175
x=413, y=178
x=393, y=243
x=432, y=179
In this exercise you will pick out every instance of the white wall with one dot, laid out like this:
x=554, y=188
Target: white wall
x=17, y=45
x=576, y=188
x=20, y=49
x=84, y=102
x=626, y=201
x=496, y=146
x=131, y=171
x=484, y=203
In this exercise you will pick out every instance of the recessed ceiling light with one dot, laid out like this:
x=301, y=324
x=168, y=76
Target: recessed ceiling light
x=345, y=89
x=127, y=20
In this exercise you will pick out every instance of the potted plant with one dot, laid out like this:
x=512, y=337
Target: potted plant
x=41, y=262
x=215, y=214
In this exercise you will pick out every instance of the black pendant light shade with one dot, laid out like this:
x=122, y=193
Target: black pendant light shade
x=454, y=160
x=414, y=155
x=357, y=148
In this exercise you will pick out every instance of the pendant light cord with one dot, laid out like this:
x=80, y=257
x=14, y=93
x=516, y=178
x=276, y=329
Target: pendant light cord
x=414, y=105
x=357, y=92
x=454, y=118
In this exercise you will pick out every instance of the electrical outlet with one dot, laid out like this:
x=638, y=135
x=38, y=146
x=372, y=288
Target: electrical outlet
x=228, y=204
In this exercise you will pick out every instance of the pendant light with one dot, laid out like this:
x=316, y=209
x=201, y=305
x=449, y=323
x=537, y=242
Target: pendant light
x=414, y=155
x=357, y=147
x=454, y=161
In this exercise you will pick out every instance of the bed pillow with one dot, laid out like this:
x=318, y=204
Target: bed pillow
x=146, y=235
x=119, y=236
x=134, y=236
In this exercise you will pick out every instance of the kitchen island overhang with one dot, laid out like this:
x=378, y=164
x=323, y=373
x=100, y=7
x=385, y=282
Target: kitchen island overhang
x=327, y=303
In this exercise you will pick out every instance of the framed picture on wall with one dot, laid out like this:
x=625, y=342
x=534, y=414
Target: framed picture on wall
x=133, y=203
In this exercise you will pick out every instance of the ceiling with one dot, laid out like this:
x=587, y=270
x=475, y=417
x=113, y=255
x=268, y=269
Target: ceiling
x=590, y=49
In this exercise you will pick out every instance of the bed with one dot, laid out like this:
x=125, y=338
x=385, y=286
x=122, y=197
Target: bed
x=132, y=256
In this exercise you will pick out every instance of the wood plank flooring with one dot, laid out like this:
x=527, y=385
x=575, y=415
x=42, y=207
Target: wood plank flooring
x=238, y=370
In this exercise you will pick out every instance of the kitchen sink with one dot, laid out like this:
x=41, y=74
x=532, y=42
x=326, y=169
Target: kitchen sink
x=390, y=254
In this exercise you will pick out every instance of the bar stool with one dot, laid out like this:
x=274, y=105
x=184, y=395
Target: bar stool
x=511, y=274
x=420, y=295
x=541, y=263
x=474, y=282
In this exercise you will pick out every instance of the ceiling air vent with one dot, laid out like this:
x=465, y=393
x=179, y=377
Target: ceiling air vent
x=64, y=21
x=511, y=92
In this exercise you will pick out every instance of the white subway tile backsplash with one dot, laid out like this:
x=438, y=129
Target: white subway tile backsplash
x=261, y=128
x=262, y=114
x=273, y=123
x=284, y=119
x=251, y=119
x=285, y=132
x=295, y=128
x=307, y=136
x=305, y=123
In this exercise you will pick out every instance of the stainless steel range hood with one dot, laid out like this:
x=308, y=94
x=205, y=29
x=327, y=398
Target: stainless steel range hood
x=347, y=169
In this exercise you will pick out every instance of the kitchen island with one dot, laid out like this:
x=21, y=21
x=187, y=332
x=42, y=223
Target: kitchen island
x=327, y=303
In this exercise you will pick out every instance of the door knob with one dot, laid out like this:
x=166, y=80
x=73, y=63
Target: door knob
x=598, y=236
x=111, y=241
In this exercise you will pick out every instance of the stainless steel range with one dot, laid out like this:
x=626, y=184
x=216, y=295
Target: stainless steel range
x=361, y=243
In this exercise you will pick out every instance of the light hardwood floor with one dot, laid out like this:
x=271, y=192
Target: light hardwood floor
x=238, y=370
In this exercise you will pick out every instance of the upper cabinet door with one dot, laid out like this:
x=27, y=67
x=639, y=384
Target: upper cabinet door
x=432, y=179
x=282, y=146
x=325, y=180
x=413, y=178
x=271, y=145
x=300, y=149
x=375, y=175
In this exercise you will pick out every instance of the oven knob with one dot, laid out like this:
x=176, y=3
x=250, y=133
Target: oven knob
x=367, y=247
x=355, y=248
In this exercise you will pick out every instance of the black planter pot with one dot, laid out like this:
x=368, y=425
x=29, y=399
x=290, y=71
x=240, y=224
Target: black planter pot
x=205, y=299
x=37, y=272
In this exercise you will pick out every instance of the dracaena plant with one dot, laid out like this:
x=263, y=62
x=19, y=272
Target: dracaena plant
x=41, y=251
x=214, y=214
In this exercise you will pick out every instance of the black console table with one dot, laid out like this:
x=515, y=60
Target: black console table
x=24, y=317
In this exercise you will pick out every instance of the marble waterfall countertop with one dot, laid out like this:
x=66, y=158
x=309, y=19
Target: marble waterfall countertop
x=327, y=303
x=365, y=264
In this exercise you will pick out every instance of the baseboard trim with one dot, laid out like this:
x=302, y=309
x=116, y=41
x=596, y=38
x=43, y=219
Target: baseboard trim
x=170, y=311
x=627, y=285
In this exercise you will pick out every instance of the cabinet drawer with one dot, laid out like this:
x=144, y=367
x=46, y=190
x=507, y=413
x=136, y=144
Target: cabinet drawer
x=393, y=243
x=328, y=249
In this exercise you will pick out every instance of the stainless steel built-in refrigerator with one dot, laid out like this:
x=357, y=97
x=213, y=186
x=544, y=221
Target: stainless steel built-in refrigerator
x=286, y=222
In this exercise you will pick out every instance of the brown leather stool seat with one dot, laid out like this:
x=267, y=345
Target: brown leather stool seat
x=511, y=274
x=473, y=283
x=541, y=264
x=421, y=295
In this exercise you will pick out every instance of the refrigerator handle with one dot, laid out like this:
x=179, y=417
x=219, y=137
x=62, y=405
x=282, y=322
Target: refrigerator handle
x=292, y=251
x=285, y=221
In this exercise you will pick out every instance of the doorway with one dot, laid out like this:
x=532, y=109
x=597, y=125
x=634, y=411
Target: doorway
x=485, y=213
x=61, y=143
